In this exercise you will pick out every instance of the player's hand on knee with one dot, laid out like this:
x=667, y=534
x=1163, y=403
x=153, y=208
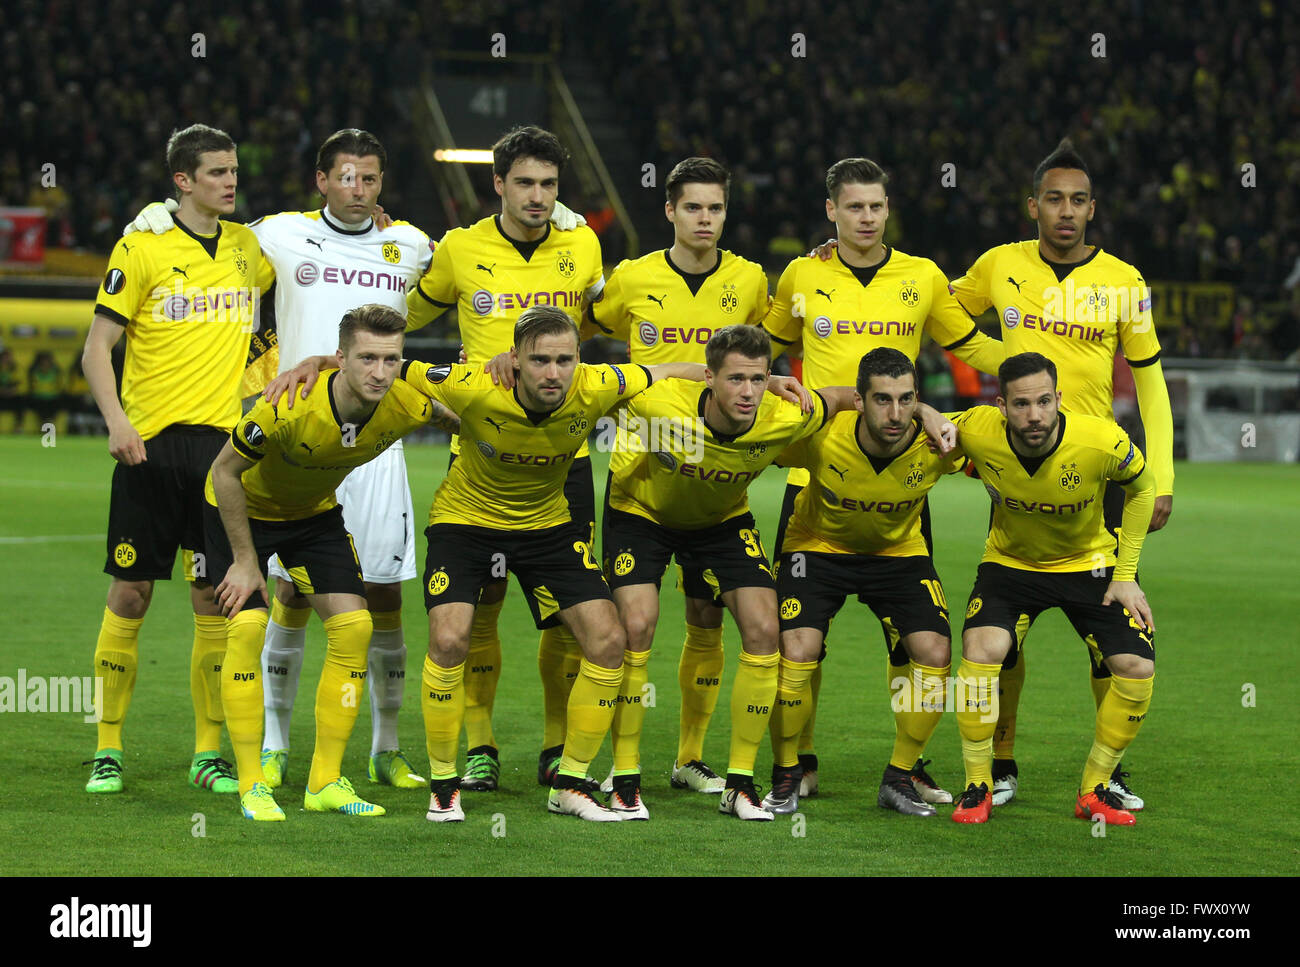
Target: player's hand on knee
x=241, y=581
x=1160, y=516
x=789, y=388
x=1128, y=594
x=125, y=445
x=502, y=370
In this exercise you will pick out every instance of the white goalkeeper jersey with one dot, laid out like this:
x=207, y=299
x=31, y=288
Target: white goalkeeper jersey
x=323, y=269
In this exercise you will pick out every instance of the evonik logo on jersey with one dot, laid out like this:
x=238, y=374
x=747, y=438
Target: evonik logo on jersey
x=1035, y=506
x=486, y=302
x=308, y=273
x=823, y=326
x=194, y=304
x=1012, y=317
x=651, y=334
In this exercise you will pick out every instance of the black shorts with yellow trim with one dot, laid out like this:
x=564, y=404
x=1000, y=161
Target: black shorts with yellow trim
x=555, y=566
x=637, y=551
x=904, y=593
x=157, y=506
x=1011, y=598
x=317, y=552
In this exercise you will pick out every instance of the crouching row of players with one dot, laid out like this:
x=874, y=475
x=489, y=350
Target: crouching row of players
x=856, y=530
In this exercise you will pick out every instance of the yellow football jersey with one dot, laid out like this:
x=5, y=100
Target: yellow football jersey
x=672, y=468
x=841, y=319
x=189, y=304
x=302, y=454
x=513, y=462
x=667, y=315
x=860, y=504
x=491, y=281
x=1102, y=305
x=1047, y=511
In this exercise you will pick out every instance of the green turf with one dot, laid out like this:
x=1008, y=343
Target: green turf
x=1222, y=581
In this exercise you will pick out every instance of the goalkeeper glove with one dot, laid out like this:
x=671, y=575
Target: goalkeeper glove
x=154, y=217
x=565, y=218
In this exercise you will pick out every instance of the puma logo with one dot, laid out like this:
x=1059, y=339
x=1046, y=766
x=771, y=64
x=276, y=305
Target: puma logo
x=1015, y=283
x=659, y=301
x=486, y=268
x=838, y=470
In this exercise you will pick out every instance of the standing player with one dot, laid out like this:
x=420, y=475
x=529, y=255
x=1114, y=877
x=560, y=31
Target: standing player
x=857, y=530
x=681, y=491
x=503, y=506
x=186, y=301
x=1048, y=547
x=491, y=272
x=322, y=263
x=864, y=295
x=667, y=305
x=272, y=491
x=1077, y=305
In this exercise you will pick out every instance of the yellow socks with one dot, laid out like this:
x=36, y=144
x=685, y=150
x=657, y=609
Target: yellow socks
x=1010, y=683
x=630, y=713
x=482, y=672
x=591, y=711
x=1118, y=719
x=558, y=658
x=205, y=680
x=793, y=706
x=699, y=674
x=806, y=736
x=977, y=686
x=918, y=708
x=338, y=696
x=1100, y=686
x=241, y=693
x=442, y=697
x=117, y=653
x=752, y=698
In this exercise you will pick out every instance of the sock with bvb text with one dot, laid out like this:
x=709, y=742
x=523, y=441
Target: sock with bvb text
x=1118, y=720
x=442, y=699
x=482, y=672
x=699, y=675
x=629, y=714
x=386, y=664
x=286, y=640
x=977, y=716
x=338, y=696
x=241, y=694
x=591, y=712
x=206, y=657
x=117, y=655
x=793, y=706
x=752, y=696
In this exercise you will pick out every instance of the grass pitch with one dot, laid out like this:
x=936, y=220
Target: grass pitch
x=1213, y=760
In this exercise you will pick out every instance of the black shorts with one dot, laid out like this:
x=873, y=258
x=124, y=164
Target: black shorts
x=556, y=567
x=157, y=506
x=317, y=552
x=637, y=550
x=903, y=592
x=1009, y=598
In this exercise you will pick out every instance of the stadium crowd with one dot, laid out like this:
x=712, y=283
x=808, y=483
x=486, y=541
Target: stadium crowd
x=1168, y=117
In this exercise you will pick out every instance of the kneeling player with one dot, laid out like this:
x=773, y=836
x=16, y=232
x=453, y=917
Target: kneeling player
x=684, y=494
x=857, y=530
x=502, y=507
x=272, y=487
x=1048, y=547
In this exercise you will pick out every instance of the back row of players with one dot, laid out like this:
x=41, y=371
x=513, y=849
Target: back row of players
x=179, y=296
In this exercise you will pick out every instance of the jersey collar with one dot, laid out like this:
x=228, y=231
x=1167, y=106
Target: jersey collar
x=1031, y=464
x=879, y=464
x=334, y=410
x=865, y=275
x=694, y=280
x=526, y=249
x=325, y=217
x=535, y=417
x=718, y=434
x=209, y=242
x=1062, y=269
